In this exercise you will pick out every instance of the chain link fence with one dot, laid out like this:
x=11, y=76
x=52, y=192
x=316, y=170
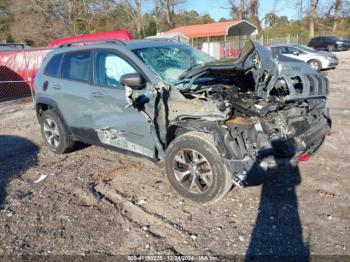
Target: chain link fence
x=13, y=86
x=18, y=68
x=266, y=41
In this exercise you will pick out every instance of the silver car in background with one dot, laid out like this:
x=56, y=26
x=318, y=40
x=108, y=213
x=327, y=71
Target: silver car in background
x=318, y=60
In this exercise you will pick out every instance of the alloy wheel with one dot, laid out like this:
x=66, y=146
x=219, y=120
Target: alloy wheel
x=193, y=171
x=314, y=65
x=51, y=132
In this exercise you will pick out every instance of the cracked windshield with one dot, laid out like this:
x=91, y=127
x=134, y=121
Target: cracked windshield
x=171, y=61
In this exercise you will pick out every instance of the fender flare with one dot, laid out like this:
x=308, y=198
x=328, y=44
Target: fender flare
x=206, y=127
x=51, y=103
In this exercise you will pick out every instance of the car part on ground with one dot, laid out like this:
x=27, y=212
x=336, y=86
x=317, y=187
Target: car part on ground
x=216, y=123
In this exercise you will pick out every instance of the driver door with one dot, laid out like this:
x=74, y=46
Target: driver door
x=117, y=124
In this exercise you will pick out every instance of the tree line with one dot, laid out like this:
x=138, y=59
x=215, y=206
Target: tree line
x=39, y=21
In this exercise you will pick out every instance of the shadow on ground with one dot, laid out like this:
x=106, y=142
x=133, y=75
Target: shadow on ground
x=17, y=154
x=277, y=234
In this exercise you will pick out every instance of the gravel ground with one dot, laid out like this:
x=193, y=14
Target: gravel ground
x=303, y=212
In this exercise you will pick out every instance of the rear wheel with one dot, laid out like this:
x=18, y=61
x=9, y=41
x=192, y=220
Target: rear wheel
x=195, y=169
x=54, y=133
x=315, y=64
x=331, y=48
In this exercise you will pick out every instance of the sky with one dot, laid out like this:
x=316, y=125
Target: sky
x=219, y=8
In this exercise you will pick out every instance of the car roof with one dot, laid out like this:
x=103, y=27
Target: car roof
x=131, y=45
x=280, y=45
x=138, y=44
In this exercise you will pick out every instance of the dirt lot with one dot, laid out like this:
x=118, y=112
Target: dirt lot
x=305, y=212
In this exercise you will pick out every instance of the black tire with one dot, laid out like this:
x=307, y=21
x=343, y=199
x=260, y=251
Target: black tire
x=203, y=145
x=60, y=142
x=315, y=64
x=331, y=48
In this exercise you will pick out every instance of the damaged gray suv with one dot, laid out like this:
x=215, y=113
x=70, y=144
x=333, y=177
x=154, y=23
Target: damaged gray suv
x=213, y=123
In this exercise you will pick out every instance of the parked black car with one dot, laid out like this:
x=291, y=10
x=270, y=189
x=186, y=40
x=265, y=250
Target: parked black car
x=330, y=43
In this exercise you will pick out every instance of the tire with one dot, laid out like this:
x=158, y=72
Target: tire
x=315, y=64
x=331, y=48
x=195, y=168
x=54, y=133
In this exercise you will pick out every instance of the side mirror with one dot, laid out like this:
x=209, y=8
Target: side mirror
x=134, y=80
x=296, y=53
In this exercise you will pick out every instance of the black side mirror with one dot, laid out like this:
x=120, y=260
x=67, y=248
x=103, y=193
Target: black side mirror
x=134, y=80
x=296, y=53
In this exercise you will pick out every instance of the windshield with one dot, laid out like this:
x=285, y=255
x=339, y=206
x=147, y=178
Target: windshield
x=335, y=38
x=306, y=48
x=169, y=62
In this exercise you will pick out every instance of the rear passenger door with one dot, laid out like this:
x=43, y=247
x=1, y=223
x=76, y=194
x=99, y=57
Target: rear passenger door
x=116, y=123
x=73, y=92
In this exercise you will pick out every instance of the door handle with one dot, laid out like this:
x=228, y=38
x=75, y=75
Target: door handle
x=57, y=87
x=98, y=94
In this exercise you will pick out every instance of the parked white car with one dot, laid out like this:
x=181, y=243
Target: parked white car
x=318, y=60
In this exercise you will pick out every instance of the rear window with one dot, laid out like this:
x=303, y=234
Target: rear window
x=76, y=66
x=53, y=67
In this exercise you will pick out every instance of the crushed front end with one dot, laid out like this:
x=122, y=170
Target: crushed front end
x=275, y=110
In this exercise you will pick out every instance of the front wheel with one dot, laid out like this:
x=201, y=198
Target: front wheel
x=315, y=64
x=195, y=168
x=331, y=48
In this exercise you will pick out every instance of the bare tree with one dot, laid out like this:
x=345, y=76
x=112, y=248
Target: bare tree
x=301, y=5
x=337, y=8
x=312, y=17
x=254, y=6
x=165, y=10
x=243, y=10
x=133, y=8
x=157, y=13
x=169, y=10
x=238, y=11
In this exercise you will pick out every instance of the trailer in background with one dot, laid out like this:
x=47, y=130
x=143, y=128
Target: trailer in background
x=19, y=63
x=17, y=72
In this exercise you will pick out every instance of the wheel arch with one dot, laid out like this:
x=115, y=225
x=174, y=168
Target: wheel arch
x=317, y=60
x=43, y=104
x=211, y=128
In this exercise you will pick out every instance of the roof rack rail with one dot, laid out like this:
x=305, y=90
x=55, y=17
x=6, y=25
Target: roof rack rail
x=162, y=39
x=92, y=41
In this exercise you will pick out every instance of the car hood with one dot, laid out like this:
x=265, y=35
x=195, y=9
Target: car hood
x=287, y=77
x=252, y=55
x=325, y=54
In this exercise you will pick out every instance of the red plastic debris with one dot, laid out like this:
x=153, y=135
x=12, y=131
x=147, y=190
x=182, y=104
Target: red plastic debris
x=329, y=133
x=303, y=158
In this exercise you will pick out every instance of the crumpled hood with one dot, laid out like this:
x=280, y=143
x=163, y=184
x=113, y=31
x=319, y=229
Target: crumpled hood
x=252, y=54
x=282, y=76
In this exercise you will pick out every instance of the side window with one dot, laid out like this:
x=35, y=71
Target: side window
x=53, y=66
x=109, y=68
x=293, y=50
x=284, y=50
x=76, y=65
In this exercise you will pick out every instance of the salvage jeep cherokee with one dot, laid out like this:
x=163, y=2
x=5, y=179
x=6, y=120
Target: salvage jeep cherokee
x=211, y=122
